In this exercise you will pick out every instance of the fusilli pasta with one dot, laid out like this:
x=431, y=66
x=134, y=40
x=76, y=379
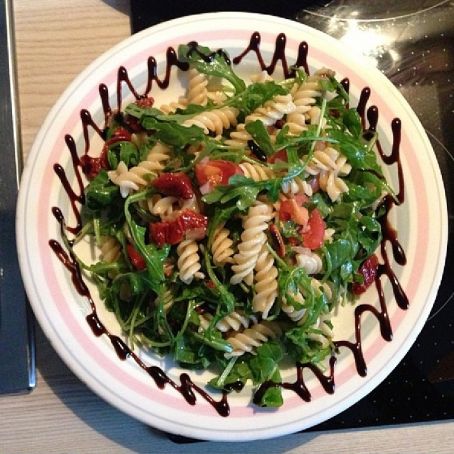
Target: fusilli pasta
x=253, y=337
x=197, y=92
x=256, y=171
x=139, y=176
x=214, y=120
x=308, y=260
x=221, y=247
x=232, y=322
x=188, y=261
x=265, y=283
x=252, y=240
x=273, y=110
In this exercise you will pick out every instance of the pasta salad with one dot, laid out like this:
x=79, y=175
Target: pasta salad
x=232, y=222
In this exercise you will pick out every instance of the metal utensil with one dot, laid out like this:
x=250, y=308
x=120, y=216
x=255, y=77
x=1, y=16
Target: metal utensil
x=17, y=356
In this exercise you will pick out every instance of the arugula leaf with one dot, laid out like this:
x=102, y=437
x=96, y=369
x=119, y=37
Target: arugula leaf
x=211, y=63
x=365, y=187
x=358, y=153
x=266, y=361
x=333, y=85
x=340, y=252
x=153, y=256
x=238, y=374
x=272, y=397
x=173, y=133
x=220, y=216
x=352, y=121
x=294, y=280
x=244, y=189
x=123, y=151
x=264, y=367
x=214, y=340
x=226, y=300
x=101, y=192
x=138, y=112
x=255, y=95
x=260, y=135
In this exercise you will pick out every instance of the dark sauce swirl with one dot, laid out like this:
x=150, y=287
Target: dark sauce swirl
x=85, y=164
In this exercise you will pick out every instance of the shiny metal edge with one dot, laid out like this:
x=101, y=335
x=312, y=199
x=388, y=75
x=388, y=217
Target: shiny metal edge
x=17, y=145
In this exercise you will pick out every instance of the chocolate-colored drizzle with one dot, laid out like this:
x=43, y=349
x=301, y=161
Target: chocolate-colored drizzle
x=256, y=151
x=279, y=55
x=186, y=388
x=86, y=163
x=299, y=386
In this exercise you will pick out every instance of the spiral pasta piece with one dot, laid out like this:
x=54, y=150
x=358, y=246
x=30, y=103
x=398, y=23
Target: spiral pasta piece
x=214, y=120
x=304, y=97
x=139, y=176
x=171, y=108
x=272, y=110
x=308, y=260
x=265, y=283
x=322, y=287
x=256, y=171
x=189, y=261
x=197, y=92
x=328, y=159
x=221, y=248
x=253, y=337
x=162, y=206
x=239, y=137
x=252, y=239
x=232, y=322
x=325, y=335
x=167, y=300
x=332, y=185
x=297, y=186
x=110, y=249
x=294, y=314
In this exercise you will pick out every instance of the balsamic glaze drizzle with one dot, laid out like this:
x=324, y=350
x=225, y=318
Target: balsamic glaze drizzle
x=186, y=387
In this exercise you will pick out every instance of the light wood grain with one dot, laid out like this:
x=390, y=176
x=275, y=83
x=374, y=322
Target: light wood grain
x=56, y=39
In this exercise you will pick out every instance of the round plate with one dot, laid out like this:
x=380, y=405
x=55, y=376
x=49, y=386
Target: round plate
x=421, y=223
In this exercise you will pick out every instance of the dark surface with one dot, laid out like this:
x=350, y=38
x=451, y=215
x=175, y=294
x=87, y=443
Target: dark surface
x=17, y=371
x=412, y=43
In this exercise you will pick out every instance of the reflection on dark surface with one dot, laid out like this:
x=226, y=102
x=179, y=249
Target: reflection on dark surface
x=412, y=43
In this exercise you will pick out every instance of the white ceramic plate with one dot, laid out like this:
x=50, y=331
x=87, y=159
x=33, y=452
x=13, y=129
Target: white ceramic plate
x=421, y=222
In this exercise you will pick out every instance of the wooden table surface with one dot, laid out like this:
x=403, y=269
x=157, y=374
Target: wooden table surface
x=55, y=40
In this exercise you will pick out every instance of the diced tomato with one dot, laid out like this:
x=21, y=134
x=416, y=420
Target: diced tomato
x=92, y=166
x=138, y=262
x=285, y=210
x=145, y=102
x=210, y=173
x=301, y=199
x=280, y=155
x=315, y=231
x=119, y=135
x=159, y=232
x=210, y=284
x=188, y=224
x=291, y=210
x=175, y=184
x=368, y=270
x=193, y=224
